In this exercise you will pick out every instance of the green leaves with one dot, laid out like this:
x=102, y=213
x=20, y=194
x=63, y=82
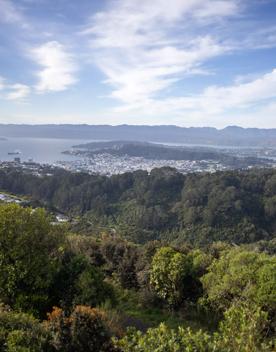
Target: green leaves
x=20, y=332
x=168, y=273
x=242, y=330
x=163, y=339
x=29, y=257
x=241, y=275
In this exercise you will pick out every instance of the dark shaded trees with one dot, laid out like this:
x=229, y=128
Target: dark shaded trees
x=30, y=255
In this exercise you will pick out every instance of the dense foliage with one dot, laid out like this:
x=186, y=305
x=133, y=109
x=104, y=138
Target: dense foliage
x=84, y=330
x=74, y=288
x=170, y=273
x=243, y=275
x=239, y=331
x=37, y=269
x=20, y=332
x=30, y=250
x=237, y=207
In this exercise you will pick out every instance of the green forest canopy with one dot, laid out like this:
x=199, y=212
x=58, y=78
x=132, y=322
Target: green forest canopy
x=90, y=287
x=233, y=206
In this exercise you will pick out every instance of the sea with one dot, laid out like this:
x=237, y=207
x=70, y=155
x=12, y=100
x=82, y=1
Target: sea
x=39, y=150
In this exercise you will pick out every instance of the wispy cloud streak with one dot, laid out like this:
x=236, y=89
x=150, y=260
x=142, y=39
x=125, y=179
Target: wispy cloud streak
x=213, y=100
x=144, y=47
x=9, y=13
x=18, y=91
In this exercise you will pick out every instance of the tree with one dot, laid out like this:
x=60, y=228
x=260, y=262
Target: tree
x=168, y=273
x=242, y=329
x=120, y=257
x=163, y=339
x=30, y=252
x=20, y=332
x=79, y=282
x=241, y=275
x=91, y=289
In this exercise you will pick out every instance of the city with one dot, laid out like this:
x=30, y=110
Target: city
x=106, y=164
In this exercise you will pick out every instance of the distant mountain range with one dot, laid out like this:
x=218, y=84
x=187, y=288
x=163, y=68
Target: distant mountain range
x=229, y=136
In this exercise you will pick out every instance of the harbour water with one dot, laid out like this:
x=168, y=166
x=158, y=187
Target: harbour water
x=40, y=150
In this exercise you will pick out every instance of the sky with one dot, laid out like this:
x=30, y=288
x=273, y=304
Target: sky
x=154, y=62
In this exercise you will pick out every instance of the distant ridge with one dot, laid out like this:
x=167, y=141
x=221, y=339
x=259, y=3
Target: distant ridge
x=229, y=136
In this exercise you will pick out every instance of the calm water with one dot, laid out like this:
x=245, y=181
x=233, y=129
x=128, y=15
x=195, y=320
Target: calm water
x=41, y=150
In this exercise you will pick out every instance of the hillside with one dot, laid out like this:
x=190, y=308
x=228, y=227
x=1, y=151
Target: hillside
x=154, y=151
x=237, y=207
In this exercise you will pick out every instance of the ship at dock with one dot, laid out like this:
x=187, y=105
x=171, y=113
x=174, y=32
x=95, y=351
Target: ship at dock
x=15, y=152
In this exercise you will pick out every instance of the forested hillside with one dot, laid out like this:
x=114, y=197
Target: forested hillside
x=237, y=207
x=67, y=292
x=149, y=262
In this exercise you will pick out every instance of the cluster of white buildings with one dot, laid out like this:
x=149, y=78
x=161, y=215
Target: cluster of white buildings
x=32, y=168
x=106, y=164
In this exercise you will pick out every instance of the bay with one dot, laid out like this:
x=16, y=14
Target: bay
x=40, y=150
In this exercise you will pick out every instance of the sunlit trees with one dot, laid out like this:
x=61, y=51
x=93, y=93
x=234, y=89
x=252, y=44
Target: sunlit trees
x=169, y=271
x=243, y=329
x=163, y=339
x=241, y=275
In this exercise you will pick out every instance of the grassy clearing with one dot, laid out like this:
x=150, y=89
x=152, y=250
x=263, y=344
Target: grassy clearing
x=153, y=317
x=129, y=306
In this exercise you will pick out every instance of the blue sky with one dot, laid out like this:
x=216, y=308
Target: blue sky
x=182, y=62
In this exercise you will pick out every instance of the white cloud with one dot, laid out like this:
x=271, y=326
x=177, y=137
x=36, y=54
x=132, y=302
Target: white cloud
x=58, y=67
x=216, y=9
x=240, y=95
x=146, y=73
x=142, y=22
x=144, y=47
x=18, y=91
x=213, y=101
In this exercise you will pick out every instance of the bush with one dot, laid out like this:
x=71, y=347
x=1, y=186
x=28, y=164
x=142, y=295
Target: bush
x=20, y=332
x=241, y=275
x=83, y=331
x=243, y=329
x=169, y=272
